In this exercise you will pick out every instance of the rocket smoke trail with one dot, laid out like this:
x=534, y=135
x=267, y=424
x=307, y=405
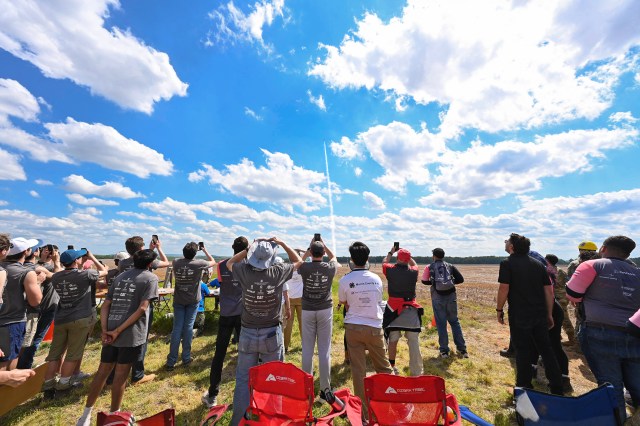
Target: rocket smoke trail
x=333, y=222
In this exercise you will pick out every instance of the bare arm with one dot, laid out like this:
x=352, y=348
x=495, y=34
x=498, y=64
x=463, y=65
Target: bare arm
x=163, y=260
x=238, y=257
x=503, y=292
x=330, y=255
x=412, y=262
x=15, y=378
x=389, y=255
x=287, y=306
x=293, y=256
x=32, y=289
x=102, y=270
x=212, y=261
x=104, y=315
x=549, y=298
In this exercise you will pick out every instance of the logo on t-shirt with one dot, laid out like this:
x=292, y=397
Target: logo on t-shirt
x=352, y=285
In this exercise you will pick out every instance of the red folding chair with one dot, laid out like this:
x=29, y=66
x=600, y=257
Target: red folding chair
x=398, y=400
x=281, y=393
x=124, y=418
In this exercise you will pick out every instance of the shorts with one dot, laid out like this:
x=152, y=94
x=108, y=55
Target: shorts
x=30, y=330
x=70, y=337
x=11, y=338
x=113, y=354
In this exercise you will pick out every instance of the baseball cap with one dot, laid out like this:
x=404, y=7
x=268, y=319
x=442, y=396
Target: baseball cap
x=317, y=248
x=38, y=245
x=69, y=256
x=121, y=255
x=404, y=255
x=262, y=254
x=20, y=244
x=588, y=245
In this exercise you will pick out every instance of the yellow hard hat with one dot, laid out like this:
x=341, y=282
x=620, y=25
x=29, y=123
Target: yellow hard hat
x=588, y=245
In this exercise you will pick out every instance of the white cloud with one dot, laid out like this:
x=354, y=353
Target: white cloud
x=373, y=202
x=43, y=182
x=491, y=65
x=93, y=201
x=67, y=39
x=16, y=101
x=34, y=194
x=400, y=150
x=4, y=203
x=251, y=113
x=280, y=182
x=623, y=117
x=141, y=216
x=317, y=101
x=233, y=25
x=77, y=183
x=357, y=171
x=485, y=172
x=104, y=145
x=11, y=168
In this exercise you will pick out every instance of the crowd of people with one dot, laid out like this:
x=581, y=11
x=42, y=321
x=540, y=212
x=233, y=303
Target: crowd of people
x=261, y=296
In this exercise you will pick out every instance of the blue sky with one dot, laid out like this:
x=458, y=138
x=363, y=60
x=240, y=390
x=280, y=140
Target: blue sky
x=446, y=123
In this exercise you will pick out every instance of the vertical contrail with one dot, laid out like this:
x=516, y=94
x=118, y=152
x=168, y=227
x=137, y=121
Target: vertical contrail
x=333, y=223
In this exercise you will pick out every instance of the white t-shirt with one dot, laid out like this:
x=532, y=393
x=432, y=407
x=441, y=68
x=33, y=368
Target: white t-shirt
x=295, y=286
x=362, y=290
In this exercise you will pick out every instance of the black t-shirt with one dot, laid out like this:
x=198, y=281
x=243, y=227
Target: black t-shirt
x=526, y=278
x=401, y=280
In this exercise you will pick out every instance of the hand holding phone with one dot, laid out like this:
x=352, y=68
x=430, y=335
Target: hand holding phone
x=154, y=239
x=396, y=246
x=201, y=245
x=316, y=237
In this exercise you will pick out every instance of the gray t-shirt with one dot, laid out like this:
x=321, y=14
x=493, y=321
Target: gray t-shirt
x=230, y=291
x=74, y=288
x=261, y=293
x=49, y=296
x=126, y=264
x=14, y=304
x=317, y=279
x=187, y=274
x=111, y=275
x=126, y=293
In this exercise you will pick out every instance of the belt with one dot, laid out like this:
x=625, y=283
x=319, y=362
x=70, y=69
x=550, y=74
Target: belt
x=607, y=326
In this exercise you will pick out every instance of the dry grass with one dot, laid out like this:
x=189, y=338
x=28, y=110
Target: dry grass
x=483, y=382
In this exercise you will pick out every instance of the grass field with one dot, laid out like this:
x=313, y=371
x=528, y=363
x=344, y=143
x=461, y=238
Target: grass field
x=483, y=382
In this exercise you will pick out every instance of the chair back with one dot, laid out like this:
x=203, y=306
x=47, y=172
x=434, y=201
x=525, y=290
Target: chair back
x=281, y=389
x=398, y=400
x=595, y=408
x=168, y=278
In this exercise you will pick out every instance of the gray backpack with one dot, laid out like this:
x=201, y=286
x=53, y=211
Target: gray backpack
x=441, y=276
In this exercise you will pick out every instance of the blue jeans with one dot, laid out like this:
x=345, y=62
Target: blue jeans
x=613, y=356
x=184, y=316
x=264, y=344
x=445, y=308
x=28, y=353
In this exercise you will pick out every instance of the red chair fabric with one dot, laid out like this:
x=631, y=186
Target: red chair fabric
x=398, y=400
x=124, y=418
x=213, y=415
x=163, y=418
x=280, y=393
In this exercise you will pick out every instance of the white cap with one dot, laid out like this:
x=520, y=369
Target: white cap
x=18, y=245
x=121, y=255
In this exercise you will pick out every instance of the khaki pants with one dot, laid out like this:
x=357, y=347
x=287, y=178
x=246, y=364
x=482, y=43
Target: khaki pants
x=296, y=312
x=30, y=330
x=359, y=339
x=70, y=337
x=415, y=357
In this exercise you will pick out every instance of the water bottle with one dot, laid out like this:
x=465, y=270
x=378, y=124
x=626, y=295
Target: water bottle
x=336, y=403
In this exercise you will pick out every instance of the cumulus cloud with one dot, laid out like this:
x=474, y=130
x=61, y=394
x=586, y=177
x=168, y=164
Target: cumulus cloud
x=34, y=194
x=279, y=182
x=373, y=202
x=93, y=201
x=43, y=182
x=623, y=117
x=232, y=25
x=104, y=145
x=68, y=40
x=491, y=65
x=11, y=168
x=485, y=172
x=400, y=150
x=317, y=101
x=77, y=183
x=357, y=171
x=141, y=216
x=16, y=101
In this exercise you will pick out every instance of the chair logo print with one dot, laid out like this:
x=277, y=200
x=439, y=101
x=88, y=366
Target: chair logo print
x=274, y=378
x=405, y=390
x=390, y=390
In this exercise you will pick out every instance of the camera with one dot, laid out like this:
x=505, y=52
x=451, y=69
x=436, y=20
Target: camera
x=316, y=237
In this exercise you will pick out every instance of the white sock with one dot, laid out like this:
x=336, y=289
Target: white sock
x=85, y=419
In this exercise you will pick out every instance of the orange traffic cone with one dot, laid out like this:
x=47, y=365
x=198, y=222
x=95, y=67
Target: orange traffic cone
x=433, y=322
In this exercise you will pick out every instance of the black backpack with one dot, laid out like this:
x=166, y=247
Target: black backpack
x=441, y=277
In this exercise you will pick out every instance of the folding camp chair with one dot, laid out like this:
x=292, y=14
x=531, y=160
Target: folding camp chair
x=281, y=393
x=123, y=418
x=595, y=408
x=398, y=400
x=162, y=302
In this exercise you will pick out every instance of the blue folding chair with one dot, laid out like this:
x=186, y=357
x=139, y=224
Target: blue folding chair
x=595, y=408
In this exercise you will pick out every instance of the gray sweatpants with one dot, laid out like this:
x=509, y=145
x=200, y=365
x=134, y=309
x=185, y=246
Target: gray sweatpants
x=317, y=326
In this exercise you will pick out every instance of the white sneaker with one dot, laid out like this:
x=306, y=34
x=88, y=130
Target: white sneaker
x=395, y=371
x=209, y=401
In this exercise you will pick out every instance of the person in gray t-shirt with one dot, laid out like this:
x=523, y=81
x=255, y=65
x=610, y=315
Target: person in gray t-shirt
x=124, y=317
x=317, y=310
x=187, y=272
x=261, y=336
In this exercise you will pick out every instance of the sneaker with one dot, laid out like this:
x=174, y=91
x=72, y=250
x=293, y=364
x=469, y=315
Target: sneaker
x=146, y=378
x=187, y=362
x=444, y=354
x=168, y=367
x=506, y=353
x=80, y=377
x=395, y=371
x=209, y=401
x=463, y=354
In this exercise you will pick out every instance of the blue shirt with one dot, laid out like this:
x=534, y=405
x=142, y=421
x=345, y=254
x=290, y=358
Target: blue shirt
x=204, y=291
